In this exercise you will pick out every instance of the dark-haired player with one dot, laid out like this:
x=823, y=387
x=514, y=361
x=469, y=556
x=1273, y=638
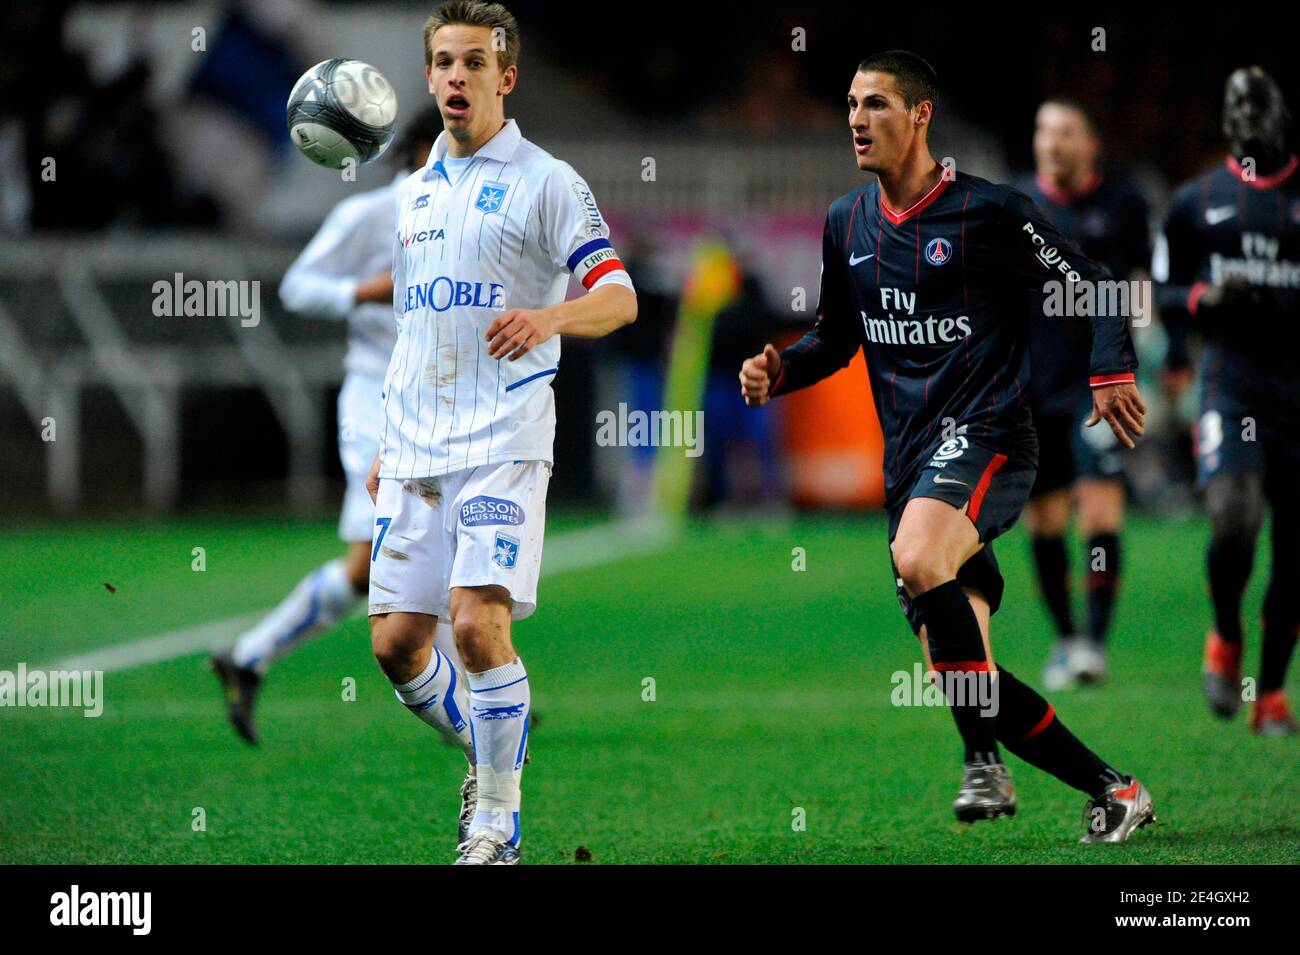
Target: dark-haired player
x=1229, y=263
x=929, y=272
x=1107, y=218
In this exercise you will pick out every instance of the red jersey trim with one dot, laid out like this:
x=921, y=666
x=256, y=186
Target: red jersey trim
x=1063, y=197
x=1101, y=381
x=1263, y=182
x=898, y=218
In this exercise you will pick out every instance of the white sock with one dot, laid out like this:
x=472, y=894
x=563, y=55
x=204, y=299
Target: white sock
x=445, y=641
x=318, y=602
x=499, y=705
x=439, y=697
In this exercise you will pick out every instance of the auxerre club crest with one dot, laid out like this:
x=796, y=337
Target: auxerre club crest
x=506, y=552
x=490, y=197
x=938, y=251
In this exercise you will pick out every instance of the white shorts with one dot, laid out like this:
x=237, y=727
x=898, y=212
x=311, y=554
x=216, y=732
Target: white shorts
x=470, y=528
x=361, y=417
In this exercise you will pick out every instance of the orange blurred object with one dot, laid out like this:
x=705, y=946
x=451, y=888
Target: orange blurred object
x=833, y=442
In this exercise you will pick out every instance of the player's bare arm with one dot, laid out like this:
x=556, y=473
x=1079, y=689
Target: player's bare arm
x=372, y=480
x=517, y=331
x=378, y=288
x=1122, y=407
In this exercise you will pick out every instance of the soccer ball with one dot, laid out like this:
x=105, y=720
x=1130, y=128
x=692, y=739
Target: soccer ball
x=342, y=110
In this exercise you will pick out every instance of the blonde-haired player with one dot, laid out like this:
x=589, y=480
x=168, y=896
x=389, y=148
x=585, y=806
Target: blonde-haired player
x=487, y=236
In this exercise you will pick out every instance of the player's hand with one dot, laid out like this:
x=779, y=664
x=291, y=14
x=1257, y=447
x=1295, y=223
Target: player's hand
x=518, y=331
x=757, y=375
x=372, y=481
x=1234, y=295
x=1122, y=407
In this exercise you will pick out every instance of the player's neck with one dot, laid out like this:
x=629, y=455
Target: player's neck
x=1082, y=182
x=1268, y=158
x=904, y=187
x=462, y=150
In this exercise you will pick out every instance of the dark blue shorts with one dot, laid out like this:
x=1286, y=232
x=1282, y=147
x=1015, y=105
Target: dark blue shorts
x=992, y=485
x=1069, y=451
x=1238, y=436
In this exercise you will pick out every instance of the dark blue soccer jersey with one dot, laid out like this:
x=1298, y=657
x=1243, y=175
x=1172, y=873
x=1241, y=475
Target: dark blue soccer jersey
x=1108, y=221
x=938, y=298
x=1223, y=226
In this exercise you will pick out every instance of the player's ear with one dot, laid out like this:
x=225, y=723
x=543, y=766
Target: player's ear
x=428, y=78
x=508, y=79
x=923, y=111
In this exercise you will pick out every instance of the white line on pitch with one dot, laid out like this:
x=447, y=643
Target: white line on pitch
x=576, y=550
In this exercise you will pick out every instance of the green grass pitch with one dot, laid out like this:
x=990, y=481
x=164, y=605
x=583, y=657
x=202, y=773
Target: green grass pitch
x=771, y=695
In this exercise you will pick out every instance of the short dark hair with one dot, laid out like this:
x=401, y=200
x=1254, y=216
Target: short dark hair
x=476, y=13
x=915, y=78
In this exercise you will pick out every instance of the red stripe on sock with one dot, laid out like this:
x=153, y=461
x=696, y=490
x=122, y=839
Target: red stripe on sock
x=979, y=666
x=1040, y=725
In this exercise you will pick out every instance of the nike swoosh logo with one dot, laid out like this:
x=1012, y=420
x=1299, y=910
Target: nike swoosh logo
x=940, y=479
x=855, y=259
x=1221, y=214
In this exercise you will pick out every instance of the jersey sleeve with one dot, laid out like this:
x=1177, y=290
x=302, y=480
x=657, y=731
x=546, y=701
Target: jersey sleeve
x=833, y=341
x=1036, y=253
x=1175, y=264
x=312, y=286
x=1135, y=239
x=577, y=236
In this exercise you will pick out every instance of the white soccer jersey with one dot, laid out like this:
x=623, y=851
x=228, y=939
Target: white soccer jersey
x=504, y=233
x=352, y=246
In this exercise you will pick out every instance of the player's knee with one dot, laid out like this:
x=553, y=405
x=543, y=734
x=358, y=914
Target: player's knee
x=396, y=645
x=472, y=628
x=920, y=568
x=357, y=567
x=1101, y=507
x=481, y=628
x=1235, y=504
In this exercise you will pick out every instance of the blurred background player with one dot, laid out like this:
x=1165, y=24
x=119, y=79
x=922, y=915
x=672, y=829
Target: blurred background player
x=487, y=235
x=1229, y=265
x=1107, y=218
x=946, y=353
x=345, y=274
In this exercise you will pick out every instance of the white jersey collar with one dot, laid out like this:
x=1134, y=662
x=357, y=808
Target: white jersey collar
x=500, y=147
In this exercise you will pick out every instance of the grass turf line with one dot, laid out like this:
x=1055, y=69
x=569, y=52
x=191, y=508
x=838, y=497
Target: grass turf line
x=771, y=694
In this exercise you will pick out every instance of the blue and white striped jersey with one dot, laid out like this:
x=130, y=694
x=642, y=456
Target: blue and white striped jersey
x=505, y=233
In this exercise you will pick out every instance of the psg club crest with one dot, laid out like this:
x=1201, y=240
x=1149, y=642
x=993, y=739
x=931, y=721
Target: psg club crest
x=490, y=197
x=506, y=552
x=938, y=251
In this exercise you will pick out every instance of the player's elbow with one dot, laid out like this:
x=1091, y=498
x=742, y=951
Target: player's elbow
x=624, y=306
x=293, y=294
